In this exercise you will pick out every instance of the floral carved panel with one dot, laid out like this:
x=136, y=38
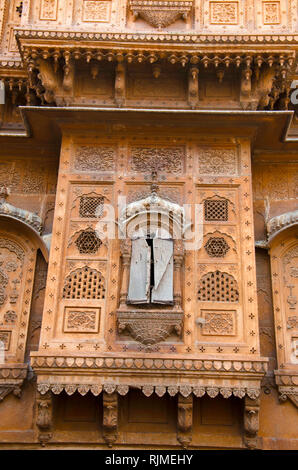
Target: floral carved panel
x=163, y=159
x=48, y=10
x=96, y=10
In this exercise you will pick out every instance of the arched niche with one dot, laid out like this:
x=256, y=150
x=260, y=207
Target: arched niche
x=283, y=250
x=19, y=244
x=152, y=253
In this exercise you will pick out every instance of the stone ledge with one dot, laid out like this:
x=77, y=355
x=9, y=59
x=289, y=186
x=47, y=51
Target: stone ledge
x=53, y=362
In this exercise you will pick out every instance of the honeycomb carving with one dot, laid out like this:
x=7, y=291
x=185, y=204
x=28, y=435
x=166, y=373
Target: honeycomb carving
x=91, y=206
x=88, y=242
x=218, y=287
x=217, y=247
x=84, y=283
x=216, y=210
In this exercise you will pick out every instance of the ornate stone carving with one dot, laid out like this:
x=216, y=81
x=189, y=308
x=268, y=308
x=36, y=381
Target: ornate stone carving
x=5, y=337
x=218, y=286
x=218, y=322
x=281, y=222
x=96, y=11
x=48, y=10
x=216, y=247
x=150, y=327
x=271, y=13
x=110, y=418
x=81, y=320
x=161, y=13
x=84, y=283
x=163, y=159
x=216, y=210
x=251, y=422
x=184, y=417
x=214, y=161
x=91, y=206
x=88, y=242
x=224, y=12
x=23, y=215
x=95, y=158
x=44, y=417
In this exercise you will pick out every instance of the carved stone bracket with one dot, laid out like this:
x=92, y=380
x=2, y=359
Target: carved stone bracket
x=110, y=418
x=184, y=420
x=287, y=386
x=149, y=327
x=44, y=417
x=11, y=379
x=251, y=422
x=161, y=13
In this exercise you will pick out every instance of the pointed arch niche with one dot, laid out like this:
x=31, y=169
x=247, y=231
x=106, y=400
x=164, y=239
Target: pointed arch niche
x=19, y=243
x=284, y=274
x=152, y=253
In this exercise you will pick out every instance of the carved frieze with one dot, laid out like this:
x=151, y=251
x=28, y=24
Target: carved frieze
x=95, y=158
x=162, y=159
x=214, y=161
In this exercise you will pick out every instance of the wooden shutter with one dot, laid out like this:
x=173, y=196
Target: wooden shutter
x=162, y=291
x=139, y=280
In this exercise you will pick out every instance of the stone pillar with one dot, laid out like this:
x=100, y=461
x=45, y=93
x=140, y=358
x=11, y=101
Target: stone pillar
x=184, y=420
x=44, y=417
x=178, y=261
x=251, y=422
x=125, y=255
x=110, y=417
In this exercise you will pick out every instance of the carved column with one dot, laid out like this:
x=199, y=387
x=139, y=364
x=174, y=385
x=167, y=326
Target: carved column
x=178, y=261
x=125, y=248
x=184, y=420
x=44, y=417
x=110, y=418
x=120, y=84
x=251, y=422
x=193, y=87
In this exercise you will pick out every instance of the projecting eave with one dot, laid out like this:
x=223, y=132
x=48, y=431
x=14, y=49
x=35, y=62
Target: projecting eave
x=268, y=130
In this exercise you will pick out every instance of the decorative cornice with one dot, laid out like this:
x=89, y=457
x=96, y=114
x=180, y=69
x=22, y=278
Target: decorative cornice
x=187, y=38
x=148, y=390
x=42, y=363
x=281, y=222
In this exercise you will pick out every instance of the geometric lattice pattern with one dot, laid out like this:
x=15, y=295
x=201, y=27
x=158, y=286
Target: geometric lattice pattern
x=91, y=206
x=88, y=242
x=218, y=287
x=84, y=283
x=216, y=210
x=217, y=247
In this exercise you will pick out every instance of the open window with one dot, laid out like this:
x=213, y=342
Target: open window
x=151, y=271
